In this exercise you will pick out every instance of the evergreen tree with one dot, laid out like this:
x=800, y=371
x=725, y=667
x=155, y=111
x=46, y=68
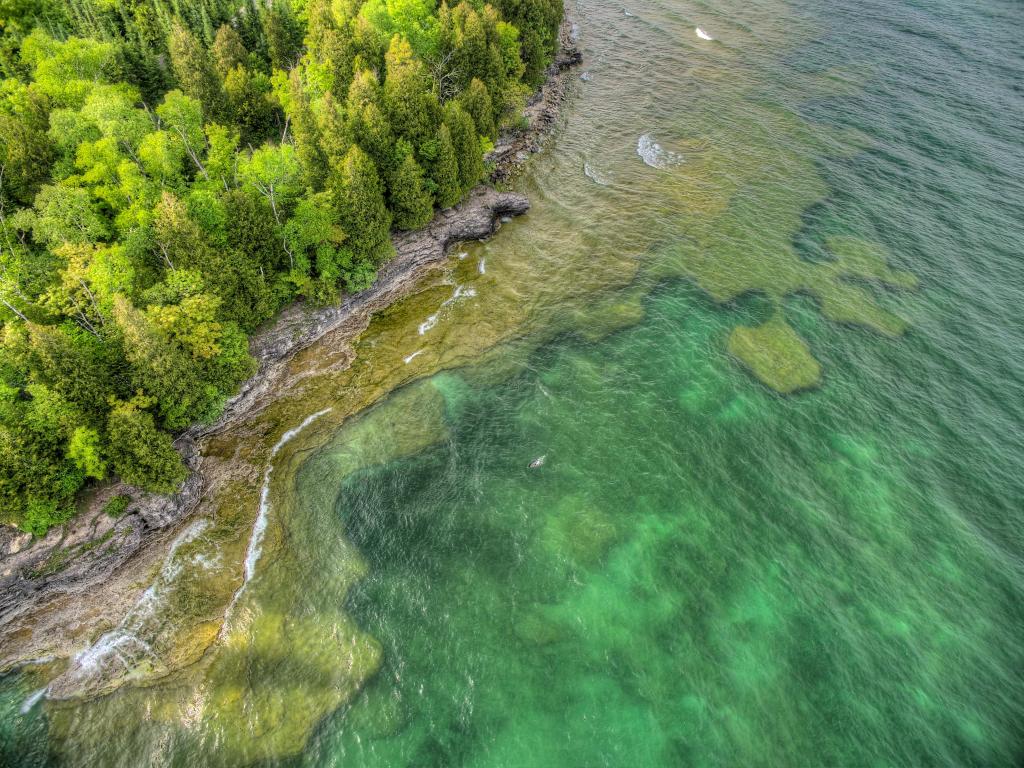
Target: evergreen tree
x=26, y=150
x=243, y=273
x=283, y=35
x=330, y=47
x=249, y=106
x=411, y=106
x=409, y=198
x=466, y=145
x=228, y=50
x=359, y=197
x=476, y=100
x=140, y=453
x=335, y=136
x=370, y=129
x=194, y=71
x=445, y=171
x=305, y=132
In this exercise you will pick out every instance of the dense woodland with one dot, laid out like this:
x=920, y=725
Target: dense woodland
x=173, y=171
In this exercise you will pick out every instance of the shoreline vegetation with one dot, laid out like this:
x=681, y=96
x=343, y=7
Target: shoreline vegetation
x=79, y=580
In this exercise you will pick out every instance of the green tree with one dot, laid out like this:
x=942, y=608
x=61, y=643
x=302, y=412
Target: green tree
x=335, y=136
x=79, y=366
x=249, y=105
x=84, y=449
x=283, y=35
x=466, y=145
x=183, y=117
x=179, y=239
x=331, y=51
x=313, y=238
x=67, y=71
x=26, y=150
x=275, y=174
x=304, y=129
x=476, y=100
x=359, y=196
x=410, y=200
x=228, y=50
x=413, y=20
x=140, y=453
x=66, y=214
x=445, y=171
x=411, y=106
x=194, y=70
x=244, y=270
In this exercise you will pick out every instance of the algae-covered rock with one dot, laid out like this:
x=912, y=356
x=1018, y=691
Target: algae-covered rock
x=272, y=687
x=579, y=531
x=534, y=628
x=777, y=355
x=604, y=317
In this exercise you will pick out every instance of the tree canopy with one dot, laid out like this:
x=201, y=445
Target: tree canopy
x=171, y=174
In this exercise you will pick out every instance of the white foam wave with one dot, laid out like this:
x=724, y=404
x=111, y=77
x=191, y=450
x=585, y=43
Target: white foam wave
x=462, y=255
x=31, y=701
x=655, y=155
x=461, y=292
x=259, y=528
x=427, y=324
x=702, y=34
x=124, y=645
x=596, y=176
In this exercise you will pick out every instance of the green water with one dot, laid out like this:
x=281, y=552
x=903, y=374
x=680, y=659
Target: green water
x=703, y=572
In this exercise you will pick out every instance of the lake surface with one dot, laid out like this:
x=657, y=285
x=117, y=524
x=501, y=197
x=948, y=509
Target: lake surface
x=701, y=571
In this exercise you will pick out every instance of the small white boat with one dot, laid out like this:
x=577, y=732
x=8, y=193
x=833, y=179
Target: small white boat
x=538, y=462
x=702, y=34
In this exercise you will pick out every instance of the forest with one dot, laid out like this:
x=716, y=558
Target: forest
x=173, y=172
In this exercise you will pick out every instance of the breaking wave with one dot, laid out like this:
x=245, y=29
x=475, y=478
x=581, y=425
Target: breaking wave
x=655, y=155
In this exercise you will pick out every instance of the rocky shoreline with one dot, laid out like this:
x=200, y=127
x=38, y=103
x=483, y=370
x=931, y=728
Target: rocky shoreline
x=58, y=593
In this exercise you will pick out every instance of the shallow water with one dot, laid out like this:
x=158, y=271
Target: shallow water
x=703, y=572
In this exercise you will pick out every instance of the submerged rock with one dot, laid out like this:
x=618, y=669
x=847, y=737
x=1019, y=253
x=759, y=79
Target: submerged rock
x=534, y=628
x=579, y=532
x=776, y=354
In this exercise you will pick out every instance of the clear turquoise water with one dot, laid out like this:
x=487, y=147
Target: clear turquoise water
x=704, y=572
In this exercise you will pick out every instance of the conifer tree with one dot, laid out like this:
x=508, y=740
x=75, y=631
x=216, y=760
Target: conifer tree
x=330, y=47
x=476, y=100
x=248, y=105
x=359, y=197
x=305, y=132
x=194, y=71
x=445, y=170
x=409, y=101
x=466, y=145
x=370, y=129
x=472, y=48
x=284, y=38
x=141, y=454
x=410, y=200
x=335, y=136
x=228, y=50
